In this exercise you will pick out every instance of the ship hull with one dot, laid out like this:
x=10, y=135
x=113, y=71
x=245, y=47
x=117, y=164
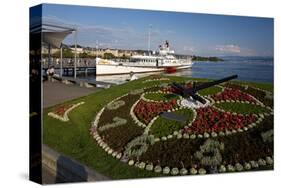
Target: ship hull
x=108, y=69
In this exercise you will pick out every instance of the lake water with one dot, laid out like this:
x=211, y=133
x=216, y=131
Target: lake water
x=247, y=68
x=255, y=69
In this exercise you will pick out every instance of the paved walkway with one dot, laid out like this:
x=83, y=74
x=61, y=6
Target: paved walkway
x=57, y=92
x=48, y=177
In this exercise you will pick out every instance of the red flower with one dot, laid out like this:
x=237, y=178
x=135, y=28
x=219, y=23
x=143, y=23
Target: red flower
x=233, y=94
x=146, y=111
x=62, y=109
x=209, y=119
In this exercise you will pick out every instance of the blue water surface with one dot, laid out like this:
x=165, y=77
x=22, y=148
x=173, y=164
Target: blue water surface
x=256, y=69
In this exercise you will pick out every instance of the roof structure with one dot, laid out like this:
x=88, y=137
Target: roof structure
x=52, y=34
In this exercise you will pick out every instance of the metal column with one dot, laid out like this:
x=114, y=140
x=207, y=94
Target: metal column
x=61, y=61
x=49, y=55
x=75, y=53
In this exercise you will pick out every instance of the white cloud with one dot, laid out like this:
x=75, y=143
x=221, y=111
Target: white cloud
x=190, y=49
x=124, y=36
x=229, y=48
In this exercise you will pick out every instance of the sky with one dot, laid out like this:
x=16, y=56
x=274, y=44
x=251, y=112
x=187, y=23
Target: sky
x=187, y=33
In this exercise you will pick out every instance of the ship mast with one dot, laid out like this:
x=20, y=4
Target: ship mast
x=148, y=48
x=97, y=46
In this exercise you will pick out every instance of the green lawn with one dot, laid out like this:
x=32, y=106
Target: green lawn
x=73, y=138
x=161, y=96
x=164, y=127
x=210, y=90
x=242, y=108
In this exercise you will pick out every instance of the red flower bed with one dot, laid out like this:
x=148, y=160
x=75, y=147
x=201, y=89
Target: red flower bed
x=62, y=109
x=146, y=111
x=233, y=94
x=211, y=120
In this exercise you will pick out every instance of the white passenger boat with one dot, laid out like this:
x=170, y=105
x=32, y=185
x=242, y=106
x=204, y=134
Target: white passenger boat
x=162, y=60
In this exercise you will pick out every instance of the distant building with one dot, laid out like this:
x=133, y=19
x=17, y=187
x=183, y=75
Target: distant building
x=78, y=50
x=45, y=50
x=112, y=51
x=119, y=53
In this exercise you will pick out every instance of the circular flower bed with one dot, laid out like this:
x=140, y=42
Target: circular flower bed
x=233, y=132
x=146, y=111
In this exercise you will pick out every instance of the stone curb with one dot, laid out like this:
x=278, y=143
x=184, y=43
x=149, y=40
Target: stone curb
x=68, y=169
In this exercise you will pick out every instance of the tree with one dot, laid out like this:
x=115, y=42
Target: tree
x=83, y=55
x=108, y=56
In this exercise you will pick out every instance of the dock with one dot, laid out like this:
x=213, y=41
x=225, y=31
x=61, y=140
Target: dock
x=83, y=82
x=81, y=70
x=62, y=89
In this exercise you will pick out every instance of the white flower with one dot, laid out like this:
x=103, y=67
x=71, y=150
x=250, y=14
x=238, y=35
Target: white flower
x=131, y=162
x=157, y=169
x=222, y=168
x=247, y=166
x=141, y=165
x=149, y=167
x=230, y=168
x=193, y=171
x=166, y=170
x=193, y=136
x=202, y=171
x=183, y=171
x=240, y=130
x=118, y=156
x=254, y=164
x=221, y=133
x=156, y=139
x=115, y=104
x=110, y=151
x=269, y=160
x=179, y=136
x=174, y=171
x=261, y=162
x=206, y=135
x=114, y=154
x=214, y=134
x=238, y=167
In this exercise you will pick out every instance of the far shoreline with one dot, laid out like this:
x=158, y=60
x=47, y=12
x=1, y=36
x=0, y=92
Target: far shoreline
x=211, y=59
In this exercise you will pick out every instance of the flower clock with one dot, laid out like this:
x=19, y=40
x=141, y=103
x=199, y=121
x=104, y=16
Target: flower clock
x=232, y=132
